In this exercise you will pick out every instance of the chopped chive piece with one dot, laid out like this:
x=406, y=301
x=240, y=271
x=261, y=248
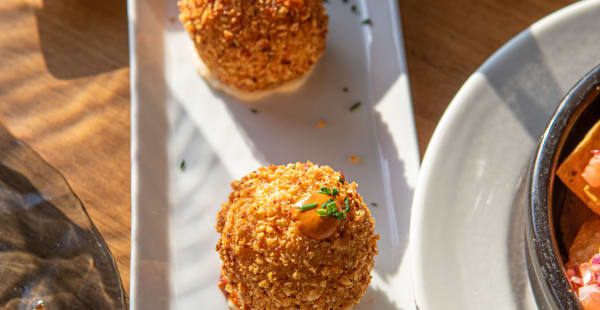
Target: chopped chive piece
x=308, y=206
x=321, y=212
x=341, y=216
x=345, y=1
x=341, y=180
x=293, y=166
x=255, y=111
x=324, y=205
x=367, y=22
x=353, y=8
x=374, y=204
x=334, y=191
x=347, y=205
x=355, y=106
x=182, y=165
x=325, y=190
x=331, y=208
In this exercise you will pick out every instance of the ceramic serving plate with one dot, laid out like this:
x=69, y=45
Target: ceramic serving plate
x=190, y=141
x=469, y=209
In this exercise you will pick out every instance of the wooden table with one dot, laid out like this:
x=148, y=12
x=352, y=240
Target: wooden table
x=64, y=84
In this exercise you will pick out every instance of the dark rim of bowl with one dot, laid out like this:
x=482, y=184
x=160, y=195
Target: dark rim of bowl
x=541, y=183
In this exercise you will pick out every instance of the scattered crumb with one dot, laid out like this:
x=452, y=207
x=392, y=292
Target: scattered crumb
x=371, y=300
x=321, y=124
x=345, y=89
x=374, y=204
x=172, y=20
x=354, y=159
x=39, y=305
x=255, y=111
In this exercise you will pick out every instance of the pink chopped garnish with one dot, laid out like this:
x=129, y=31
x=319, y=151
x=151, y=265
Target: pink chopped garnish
x=591, y=172
x=576, y=280
x=596, y=259
x=587, y=277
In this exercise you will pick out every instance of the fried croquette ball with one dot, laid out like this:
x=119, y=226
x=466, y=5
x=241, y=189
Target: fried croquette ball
x=295, y=237
x=254, y=45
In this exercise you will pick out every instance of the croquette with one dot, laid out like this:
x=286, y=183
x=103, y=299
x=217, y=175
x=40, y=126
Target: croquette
x=255, y=45
x=270, y=262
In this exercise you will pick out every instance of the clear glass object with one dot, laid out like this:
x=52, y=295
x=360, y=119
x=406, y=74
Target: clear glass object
x=51, y=255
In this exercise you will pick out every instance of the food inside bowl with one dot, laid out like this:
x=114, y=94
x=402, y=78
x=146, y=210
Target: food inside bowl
x=580, y=172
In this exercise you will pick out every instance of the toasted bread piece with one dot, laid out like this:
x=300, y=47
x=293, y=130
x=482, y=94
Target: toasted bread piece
x=571, y=168
x=573, y=214
x=586, y=243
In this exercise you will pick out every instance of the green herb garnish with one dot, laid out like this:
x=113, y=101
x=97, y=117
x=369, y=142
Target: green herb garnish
x=353, y=8
x=367, y=22
x=374, y=204
x=341, y=180
x=331, y=208
x=255, y=111
x=334, y=191
x=324, y=205
x=308, y=206
x=355, y=106
x=182, y=165
x=324, y=190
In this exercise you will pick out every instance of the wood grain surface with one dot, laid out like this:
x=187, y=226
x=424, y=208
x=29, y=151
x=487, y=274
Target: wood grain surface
x=64, y=84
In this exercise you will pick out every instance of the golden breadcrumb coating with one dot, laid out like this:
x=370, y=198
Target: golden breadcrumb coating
x=270, y=264
x=256, y=44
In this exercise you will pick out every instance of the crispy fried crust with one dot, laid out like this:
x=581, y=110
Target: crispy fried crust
x=256, y=44
x=267, y=260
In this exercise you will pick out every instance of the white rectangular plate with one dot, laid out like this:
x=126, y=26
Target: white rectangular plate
x=176, y=116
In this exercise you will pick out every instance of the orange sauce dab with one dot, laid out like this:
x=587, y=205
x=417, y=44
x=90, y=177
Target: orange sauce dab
x=310, y=223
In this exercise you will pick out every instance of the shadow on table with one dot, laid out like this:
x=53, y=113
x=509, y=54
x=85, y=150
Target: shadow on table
x=83, y=38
